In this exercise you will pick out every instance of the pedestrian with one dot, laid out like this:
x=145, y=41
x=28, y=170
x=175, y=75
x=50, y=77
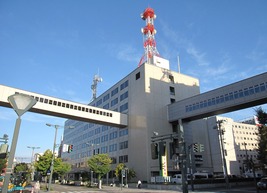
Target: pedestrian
x=37, y=187
x=139, y=183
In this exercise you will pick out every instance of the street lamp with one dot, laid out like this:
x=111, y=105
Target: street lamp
x=33, y=148
x=21, y=103
x=54, y=147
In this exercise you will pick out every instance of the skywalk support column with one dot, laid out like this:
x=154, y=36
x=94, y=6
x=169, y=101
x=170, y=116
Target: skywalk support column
x=182, y=156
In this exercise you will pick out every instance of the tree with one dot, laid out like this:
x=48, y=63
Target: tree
x=3, y=164
x=100, y=164
x=21, y=167
x=262, y=136
x=60, y=167
x=44, y=163
x=130, y=172
x=22, y=173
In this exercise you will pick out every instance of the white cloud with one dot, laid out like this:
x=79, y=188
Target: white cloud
x=198, y=56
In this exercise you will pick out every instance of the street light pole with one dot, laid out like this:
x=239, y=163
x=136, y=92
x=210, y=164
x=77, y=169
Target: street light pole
x=54, y=148
x=32, y=162
x=21, y=103
x=33, y=148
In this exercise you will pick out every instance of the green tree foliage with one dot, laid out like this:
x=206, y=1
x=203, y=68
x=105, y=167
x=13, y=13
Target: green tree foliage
x=100, y=164
x=262, y=136
x=44, y=163
x=60, y=167
x=22, y=167
x=3, y=163
x=130, y=172
x=22, y=173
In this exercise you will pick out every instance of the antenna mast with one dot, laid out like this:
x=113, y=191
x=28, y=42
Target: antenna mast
x=96, y=79
x=149, y=37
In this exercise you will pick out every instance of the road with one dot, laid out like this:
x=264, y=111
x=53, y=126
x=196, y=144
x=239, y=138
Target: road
x=106, y=189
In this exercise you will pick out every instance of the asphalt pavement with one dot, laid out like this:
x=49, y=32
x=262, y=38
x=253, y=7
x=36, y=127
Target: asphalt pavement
x=55, y=188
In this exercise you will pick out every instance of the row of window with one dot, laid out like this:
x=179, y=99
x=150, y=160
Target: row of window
x=122, y=159
x=248, y=144
x=246, y=133
x=102, y=150
x=245, y=127
x=227, y=97
x=246, y=138
x=89, y=134
x=113, y=92
x=70, y=106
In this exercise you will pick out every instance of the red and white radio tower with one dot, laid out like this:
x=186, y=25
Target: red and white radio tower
x=149, y=37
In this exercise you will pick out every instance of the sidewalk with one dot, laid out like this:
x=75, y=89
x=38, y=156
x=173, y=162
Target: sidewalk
x=107, y=189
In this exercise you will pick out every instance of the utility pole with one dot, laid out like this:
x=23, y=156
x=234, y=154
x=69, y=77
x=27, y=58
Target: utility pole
x=221, y=133
x=182, y=153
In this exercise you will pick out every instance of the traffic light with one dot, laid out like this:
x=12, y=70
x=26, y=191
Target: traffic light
x=201, y=147
x=154, y=150
x=195, y=147
x=70, y=148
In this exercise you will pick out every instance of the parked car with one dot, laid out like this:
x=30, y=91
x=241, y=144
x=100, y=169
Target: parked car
x=262, y=184
x=202, y=175
x=177, y=178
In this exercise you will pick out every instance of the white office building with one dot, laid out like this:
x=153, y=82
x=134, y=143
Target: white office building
x=240, y=143
x=144, y=95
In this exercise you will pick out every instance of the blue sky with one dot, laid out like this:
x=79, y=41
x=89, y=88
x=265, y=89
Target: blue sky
x=56, y=47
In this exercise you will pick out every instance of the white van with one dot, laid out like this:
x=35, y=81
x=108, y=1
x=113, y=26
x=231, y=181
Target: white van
x=177, y=178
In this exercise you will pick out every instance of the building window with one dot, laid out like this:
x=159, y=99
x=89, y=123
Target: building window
x=172, y=101
x=124, y=96
x=123, y=159
x=257, y=88
x=114, y=160
x=113, y=147
x=97, y=130
x=104, y=138
x=124, y=85
x=115, y=91
x=106, y=97
x=123, y=145
x=99, y=102
x=123, y=132
x=104, y=149
x=104, y=128
x=171, y=78
x=114, y=102
x=106, y=106
x=137, y=76
x=124, y=107
x=113, y=135
x=172, y=90
x=262, y=87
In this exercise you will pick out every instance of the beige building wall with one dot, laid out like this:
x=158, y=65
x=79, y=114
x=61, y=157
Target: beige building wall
x=150, y=89
x=236, y=135
x=151, y=94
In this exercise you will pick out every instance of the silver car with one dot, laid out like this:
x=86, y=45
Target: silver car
x=262, y=184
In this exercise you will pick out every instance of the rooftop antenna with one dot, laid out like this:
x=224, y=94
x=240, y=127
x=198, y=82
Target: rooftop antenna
x=96, y=79
x=179, y=67
x=149, y=32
